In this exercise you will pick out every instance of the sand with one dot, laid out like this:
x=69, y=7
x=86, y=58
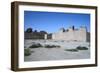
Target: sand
x=45, y=54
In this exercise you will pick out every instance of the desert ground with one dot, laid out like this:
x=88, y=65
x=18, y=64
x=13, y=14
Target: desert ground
x=61, y=50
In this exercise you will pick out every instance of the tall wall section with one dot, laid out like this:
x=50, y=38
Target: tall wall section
x=71, y=35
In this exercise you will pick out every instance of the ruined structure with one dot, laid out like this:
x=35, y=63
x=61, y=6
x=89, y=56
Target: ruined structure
x=34, y=34
x=72, y=34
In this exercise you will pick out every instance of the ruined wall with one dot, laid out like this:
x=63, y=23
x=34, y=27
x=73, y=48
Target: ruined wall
x=33, y=36
x=71, y=35
x=88, y=36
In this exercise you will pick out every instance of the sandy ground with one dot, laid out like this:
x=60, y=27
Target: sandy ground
x=44, y=54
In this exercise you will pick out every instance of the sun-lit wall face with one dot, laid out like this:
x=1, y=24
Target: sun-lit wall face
x=71, y=35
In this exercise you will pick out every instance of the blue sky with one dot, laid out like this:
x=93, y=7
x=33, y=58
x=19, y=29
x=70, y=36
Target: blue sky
x=53, y=21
